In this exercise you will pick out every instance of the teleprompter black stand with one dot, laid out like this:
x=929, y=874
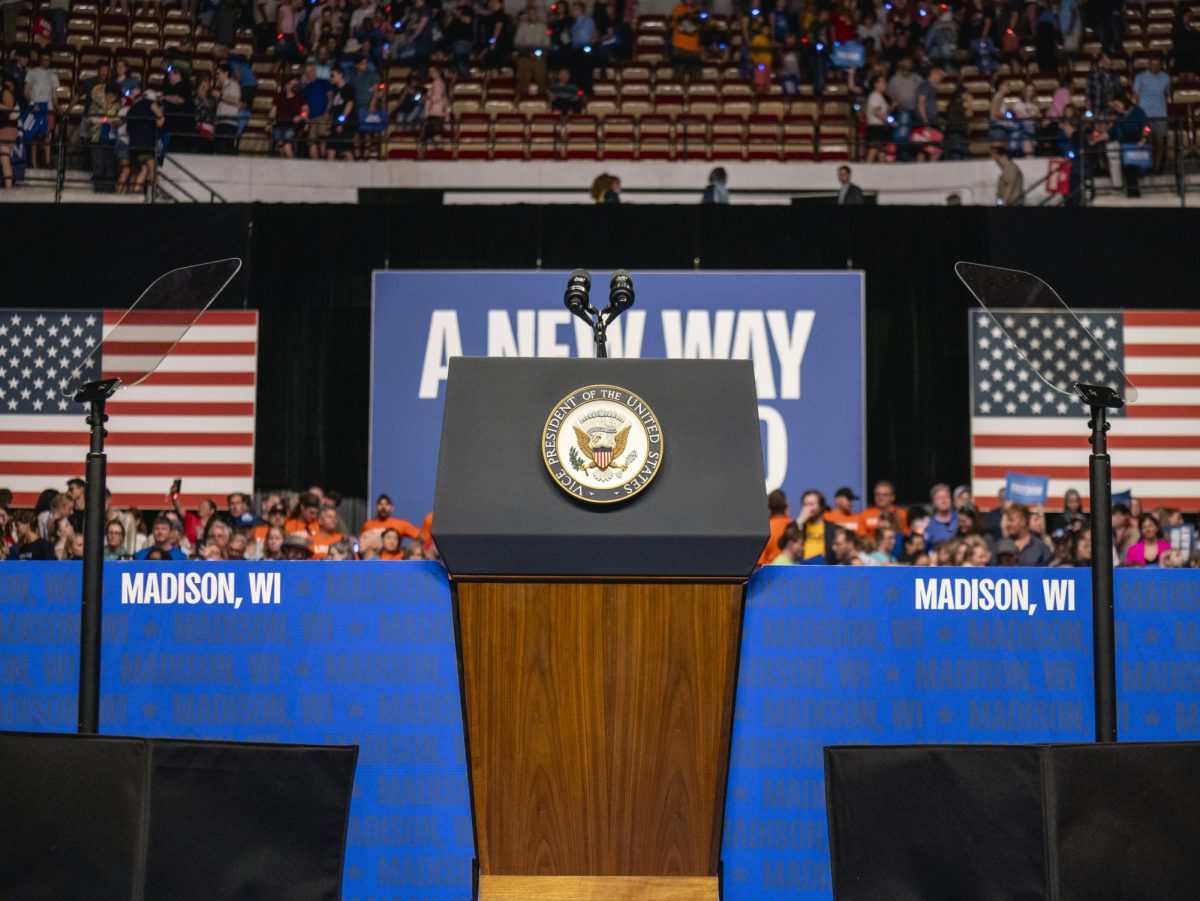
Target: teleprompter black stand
x=171, y=304
x=95, y=395
x=1104, y=654
x=92, y=816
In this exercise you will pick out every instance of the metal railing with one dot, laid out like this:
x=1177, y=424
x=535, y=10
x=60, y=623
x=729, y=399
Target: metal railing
x=1179, y=148
x=177, y=185
x=72, y=155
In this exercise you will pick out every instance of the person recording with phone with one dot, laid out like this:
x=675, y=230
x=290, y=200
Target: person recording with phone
x=194, y=524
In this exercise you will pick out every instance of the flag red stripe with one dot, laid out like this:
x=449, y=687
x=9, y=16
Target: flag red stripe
x=185, y=378
x=135, y=408
x=176, y=439
x=1158, y=350
x=188, y=348
x=1127, y=442
x=1161, y=317
x=1163, y=411
x=167, y=470
x=133, y=439
x=1125, y=473
x=179, y=317
x=1055, y=503
x=1155, y=380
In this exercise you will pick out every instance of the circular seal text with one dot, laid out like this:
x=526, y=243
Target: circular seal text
x=602, y=444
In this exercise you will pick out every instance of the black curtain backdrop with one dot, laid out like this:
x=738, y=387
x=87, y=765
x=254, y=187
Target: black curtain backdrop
x=308, y=271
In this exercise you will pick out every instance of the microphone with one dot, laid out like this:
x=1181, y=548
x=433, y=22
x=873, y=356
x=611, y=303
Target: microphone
x=579, y=283
x=620, y=292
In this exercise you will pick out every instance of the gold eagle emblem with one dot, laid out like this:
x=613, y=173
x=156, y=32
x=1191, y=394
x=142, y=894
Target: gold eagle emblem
x=598, y=441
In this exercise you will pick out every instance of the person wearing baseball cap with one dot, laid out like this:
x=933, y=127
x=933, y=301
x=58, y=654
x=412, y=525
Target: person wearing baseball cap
x=297, y=547
x=842, y=514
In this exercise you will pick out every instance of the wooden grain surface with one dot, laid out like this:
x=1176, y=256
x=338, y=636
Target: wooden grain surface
x=598, y=725
x=598, y=888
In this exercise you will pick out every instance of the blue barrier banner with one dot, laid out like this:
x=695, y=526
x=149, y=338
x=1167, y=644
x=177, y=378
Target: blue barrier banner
x=358, y=654
x=803, y=330
x=363, y=653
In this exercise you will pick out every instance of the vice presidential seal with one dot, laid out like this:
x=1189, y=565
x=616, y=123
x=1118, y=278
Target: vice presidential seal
x=602, y=444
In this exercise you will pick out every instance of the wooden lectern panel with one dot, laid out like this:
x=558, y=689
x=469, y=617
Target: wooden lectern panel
x=598, y=888
x=598, y=720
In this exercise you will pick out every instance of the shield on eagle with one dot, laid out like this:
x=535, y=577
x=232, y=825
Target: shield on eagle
x=603, y=443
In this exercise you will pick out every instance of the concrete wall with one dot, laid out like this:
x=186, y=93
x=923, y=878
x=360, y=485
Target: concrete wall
x=307, y=181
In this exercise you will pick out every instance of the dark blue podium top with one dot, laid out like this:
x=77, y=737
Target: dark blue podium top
x=499, y=511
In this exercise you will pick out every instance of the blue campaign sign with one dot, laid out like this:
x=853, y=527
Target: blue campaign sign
x=1028, y=490
x=363, y=653
x=803, y=330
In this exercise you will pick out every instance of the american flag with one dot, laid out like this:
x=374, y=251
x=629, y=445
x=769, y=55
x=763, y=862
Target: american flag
x=1019, y=424
x=193, y=419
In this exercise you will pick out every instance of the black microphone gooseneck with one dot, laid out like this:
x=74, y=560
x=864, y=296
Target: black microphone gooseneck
x=577, y=300
x=579, y=283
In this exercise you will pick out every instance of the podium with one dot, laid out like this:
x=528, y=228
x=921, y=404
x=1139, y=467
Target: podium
x=598, y=640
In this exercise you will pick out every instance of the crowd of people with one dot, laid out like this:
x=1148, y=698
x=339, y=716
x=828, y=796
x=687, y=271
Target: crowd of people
x=333, y=97
x=306, y=526
x=949, y=531
x=952, y=531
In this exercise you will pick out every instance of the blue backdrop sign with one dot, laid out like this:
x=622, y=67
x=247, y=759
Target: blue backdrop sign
x=363, y=653
x=802, y=330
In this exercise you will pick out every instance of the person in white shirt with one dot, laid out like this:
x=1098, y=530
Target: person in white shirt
x=365, y=10
x=41, y=86
x=871, y=29
x=879, y=131
x=229, y=109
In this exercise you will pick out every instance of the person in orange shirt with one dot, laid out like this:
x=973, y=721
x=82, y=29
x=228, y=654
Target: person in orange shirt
x=885, y=502
x=842, y=514
x=391, y=546
x=685, y=41
x=326, y=533
x=384, y=520
x=304, y=517
x=781, y=515
x=427, y=528
x=276, y=517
